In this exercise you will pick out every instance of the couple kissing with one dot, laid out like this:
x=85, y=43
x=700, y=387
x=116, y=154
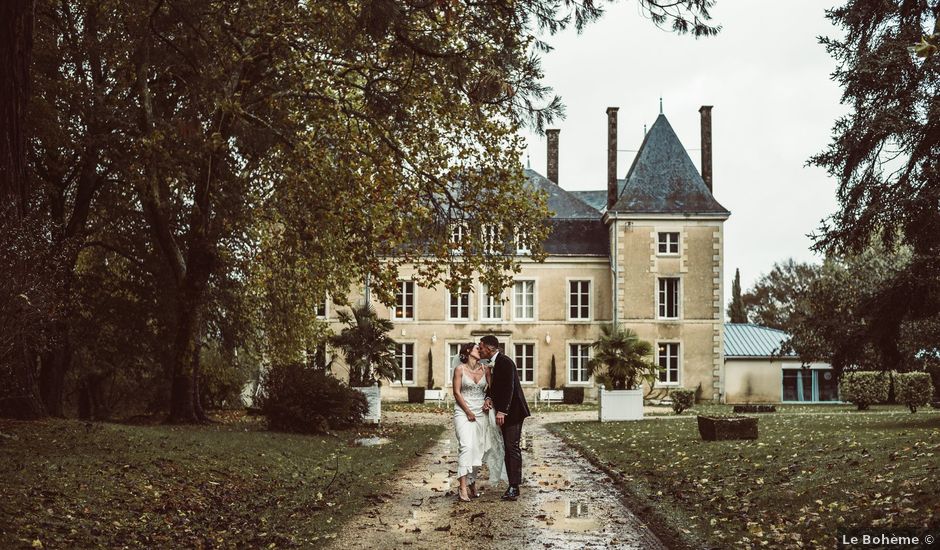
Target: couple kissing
x=488, y=414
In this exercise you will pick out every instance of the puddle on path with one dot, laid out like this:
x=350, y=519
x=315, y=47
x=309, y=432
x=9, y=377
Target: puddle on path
x=372, y=441
x=548, y=477
x=569, y=515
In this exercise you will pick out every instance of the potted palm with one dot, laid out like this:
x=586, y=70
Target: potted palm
x=622, y=362
x=369, y=352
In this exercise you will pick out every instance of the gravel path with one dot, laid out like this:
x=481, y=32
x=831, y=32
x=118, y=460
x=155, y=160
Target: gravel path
x=565, y=502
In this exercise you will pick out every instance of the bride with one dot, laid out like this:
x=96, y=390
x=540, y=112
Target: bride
x=478, y=439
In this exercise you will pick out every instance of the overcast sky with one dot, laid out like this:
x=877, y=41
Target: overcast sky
x=768, y=79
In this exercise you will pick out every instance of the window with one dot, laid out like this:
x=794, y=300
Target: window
x=668, y=298
x=579, y=299
x=459, y=305
x=490, y=239
x=521, y=247
x=321, y=310
x=453, y=350
x=524, y=300
x=669, y=362
x=492, y=306
x=578, y=357
x=525, y=361
x=456, y=236
x=405, y=356
x=405, y=300
x=812, y=385
x=668, y=243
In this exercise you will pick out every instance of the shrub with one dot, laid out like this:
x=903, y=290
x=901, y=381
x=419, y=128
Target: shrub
x=573, y=396
x=913, y=389
x=682, y=399
x=933, y=368
x=864, y=388
x=299, y=398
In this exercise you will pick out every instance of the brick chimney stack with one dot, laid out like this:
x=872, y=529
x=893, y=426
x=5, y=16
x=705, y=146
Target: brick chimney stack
x=611, y=157
x=706, y=112
x=552, y=154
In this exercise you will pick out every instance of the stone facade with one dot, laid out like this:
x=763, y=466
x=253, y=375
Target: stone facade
x=645, y=253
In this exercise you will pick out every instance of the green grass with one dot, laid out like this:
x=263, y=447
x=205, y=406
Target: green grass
x=447, y=408
x=808, y=477
x=68, y=484
x=710, y=408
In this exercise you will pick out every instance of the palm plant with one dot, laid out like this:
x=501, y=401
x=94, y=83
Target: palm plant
x=623, y=359
x=369, y=350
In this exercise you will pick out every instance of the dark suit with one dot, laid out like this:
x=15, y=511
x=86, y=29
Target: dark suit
x=507, y=396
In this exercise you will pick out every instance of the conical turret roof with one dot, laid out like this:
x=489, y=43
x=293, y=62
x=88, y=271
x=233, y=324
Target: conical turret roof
x=663, y=180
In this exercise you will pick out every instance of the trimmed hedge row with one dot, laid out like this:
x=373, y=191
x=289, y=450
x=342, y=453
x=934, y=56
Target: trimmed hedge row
x=865, y=388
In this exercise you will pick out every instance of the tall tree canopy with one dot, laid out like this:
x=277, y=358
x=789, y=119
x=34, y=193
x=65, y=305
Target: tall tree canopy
x=223, y=166
x=885, y=154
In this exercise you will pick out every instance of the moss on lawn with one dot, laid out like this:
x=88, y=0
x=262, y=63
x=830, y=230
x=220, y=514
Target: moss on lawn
x=804, y=481
x=68, y=484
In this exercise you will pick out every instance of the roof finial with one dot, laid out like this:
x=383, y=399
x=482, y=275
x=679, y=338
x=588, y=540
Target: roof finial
x=644, y=130
x=660, y=104
x=528, y=160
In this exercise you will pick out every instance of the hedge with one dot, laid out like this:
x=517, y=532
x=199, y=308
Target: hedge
x=682, y=399
x=864, y=388
x=913, y=389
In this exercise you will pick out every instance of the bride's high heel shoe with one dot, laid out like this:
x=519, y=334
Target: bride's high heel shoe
x=472, y=490
x=462, y=497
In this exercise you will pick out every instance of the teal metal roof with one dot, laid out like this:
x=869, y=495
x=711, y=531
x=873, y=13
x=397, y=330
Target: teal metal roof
x=747, y=340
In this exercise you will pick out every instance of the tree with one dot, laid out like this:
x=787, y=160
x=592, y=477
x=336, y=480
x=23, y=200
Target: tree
x=623, y=359
x=369, y=350
x=884, y=156
x=773, y=298
x=553, y=381
x=430, y=370
x=736, y=310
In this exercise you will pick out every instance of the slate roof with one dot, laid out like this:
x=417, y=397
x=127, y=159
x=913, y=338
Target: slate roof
x=747, y=340
x=576, y=227
x=562, y=203
x=663, y=180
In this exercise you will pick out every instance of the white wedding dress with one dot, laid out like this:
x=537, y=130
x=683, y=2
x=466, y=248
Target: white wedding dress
x=479, y=442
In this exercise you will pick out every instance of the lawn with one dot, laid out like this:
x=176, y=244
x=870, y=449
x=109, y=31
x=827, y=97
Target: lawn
x=804, y=481
x=819, y=408
x=447, y=407
x=68, y=484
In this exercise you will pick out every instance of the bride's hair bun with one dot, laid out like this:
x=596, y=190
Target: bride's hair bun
x=465, y=350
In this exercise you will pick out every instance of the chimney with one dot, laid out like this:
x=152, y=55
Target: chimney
x=611, y=157
x=706, y=112
x=553, y=155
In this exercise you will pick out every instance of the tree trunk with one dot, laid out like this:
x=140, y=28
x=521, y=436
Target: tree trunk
x=55, y=364
x=184, y=397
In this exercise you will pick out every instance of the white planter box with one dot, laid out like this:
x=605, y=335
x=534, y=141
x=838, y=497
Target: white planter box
x=374, y=397
x=551, y=395
x=620, y=404
x=433, y=395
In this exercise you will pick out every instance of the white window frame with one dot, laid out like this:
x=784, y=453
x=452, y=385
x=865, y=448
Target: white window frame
x=484, y=309
x=448, y=305
x=534, y=358
x=450, y=358
x=817, y=369
x=414, y=301
x=400, y=358
x=326, y=308
x=583, y=367
x=521, y=249
x=678, y=358
x=515, y=302
x=458, y=231
x=667, y=242
x=490, y=239
x=659, y=293
x=590, y=298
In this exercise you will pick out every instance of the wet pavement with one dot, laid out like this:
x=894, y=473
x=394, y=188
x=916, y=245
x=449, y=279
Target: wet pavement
x=565, y=502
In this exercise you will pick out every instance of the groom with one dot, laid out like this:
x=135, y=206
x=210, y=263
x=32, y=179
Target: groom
x=505, y=395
